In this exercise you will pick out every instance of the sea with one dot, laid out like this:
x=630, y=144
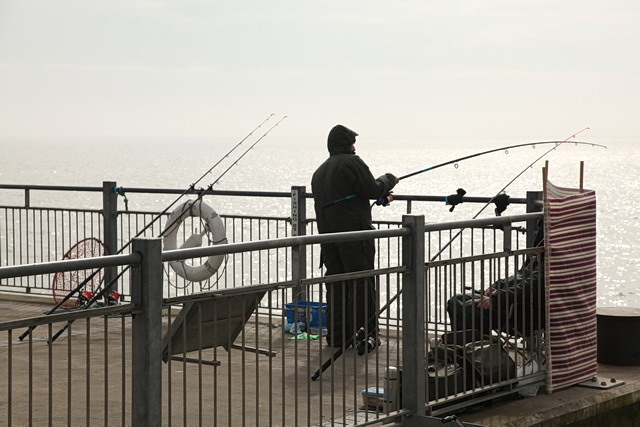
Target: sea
x=613, y=172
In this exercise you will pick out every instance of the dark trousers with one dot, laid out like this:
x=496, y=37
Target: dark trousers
x=352, y=304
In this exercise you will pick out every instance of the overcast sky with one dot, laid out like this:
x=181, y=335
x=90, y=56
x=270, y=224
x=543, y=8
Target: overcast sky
x=392, y=70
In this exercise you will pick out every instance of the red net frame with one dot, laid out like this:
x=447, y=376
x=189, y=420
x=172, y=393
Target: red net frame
x=65, y=282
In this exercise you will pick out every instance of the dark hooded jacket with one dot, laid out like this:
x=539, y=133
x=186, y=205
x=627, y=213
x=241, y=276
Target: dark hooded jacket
x=344, y=174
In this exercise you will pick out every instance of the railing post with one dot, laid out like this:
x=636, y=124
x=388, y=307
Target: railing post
x=299, y=228
x=532, y=198
x=146, y=352
x=413, y=326
x=110, y=226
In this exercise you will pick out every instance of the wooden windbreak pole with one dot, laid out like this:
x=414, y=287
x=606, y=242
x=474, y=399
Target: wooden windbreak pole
x=545, y=176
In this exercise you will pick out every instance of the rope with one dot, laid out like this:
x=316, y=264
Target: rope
x=120, y=192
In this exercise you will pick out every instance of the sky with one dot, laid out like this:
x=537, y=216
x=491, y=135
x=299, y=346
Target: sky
x=397, y=72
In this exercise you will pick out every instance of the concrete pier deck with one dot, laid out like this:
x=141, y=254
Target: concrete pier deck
x=575, y=405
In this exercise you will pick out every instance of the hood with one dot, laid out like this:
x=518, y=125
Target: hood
x=340, y=140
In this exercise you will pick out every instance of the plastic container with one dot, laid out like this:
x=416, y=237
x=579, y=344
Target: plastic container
x=373, y=397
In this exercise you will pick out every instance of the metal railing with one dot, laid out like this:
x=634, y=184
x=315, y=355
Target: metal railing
x=229, y=358
x=31, y=234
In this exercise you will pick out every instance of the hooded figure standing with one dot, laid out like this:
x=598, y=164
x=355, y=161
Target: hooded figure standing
x=351, y=302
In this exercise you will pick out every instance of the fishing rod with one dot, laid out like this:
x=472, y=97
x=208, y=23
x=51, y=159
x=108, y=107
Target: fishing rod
x=505, y=149
x=146, y=227
x=167, y=227
x=508, y=184
x=455, y=162
x=101, y=293
x=362, y=343
x=190, y=189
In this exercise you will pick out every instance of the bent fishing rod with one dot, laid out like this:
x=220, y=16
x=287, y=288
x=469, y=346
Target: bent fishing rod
x=455, y=162
x=190, y=189
x=359, y=338
x=105, y=288
x=509, y=184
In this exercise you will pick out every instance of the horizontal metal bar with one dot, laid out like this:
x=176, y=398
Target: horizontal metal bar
x=48, y=187
x=180, y=254
x=68, y=265
x=415, y=198
x=483, y=222
x=32, y=322
x=250, y=289
x=208, y=192
x=493, y=255
x=35, y=208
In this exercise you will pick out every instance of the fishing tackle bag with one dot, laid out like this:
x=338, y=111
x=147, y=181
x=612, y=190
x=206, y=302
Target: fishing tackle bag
x=470, y=359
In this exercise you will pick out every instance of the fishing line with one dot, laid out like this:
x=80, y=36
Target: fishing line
x=353, y=339
x=505, y=149
x=508, y=184
x=190, y=189
x=456, y=162
x=201, y=192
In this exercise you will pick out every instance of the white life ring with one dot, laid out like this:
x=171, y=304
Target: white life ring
x=212, y=223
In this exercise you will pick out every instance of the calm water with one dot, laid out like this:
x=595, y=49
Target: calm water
x=614, y=173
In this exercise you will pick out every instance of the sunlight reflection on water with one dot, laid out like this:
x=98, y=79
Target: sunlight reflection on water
x=613, y=173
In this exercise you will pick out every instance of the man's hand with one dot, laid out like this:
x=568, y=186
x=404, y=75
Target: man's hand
x=484, y=302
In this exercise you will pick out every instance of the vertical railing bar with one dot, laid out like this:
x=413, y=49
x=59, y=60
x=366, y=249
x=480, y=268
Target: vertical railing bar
x=308, y=342
x=146, y=352
x=243, y=368
x=184, y=372
x=87, y=408
x=20, y=225
x=30, y=361
x=13, y=237
x=215, y=366
x=41, y=245
x=229, y=372
x=270, y=310
x=123, y=381
x=234, y=255
x=50, y=367
x=106, y=370
x=9, y=376
x=69, y=373
x=282, y=342
x=169, y=370
x=200, y=365
x=257, y=370
x=413, y=384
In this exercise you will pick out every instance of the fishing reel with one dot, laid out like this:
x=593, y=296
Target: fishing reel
x=385, y=200
x=501, y=201
x=454, y=199
x=113, y=298
x=83, y=299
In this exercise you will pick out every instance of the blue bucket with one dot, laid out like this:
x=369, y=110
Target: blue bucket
x=312, y=314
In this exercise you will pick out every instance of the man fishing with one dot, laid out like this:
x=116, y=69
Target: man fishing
x=342, y=187
x=516, y=302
